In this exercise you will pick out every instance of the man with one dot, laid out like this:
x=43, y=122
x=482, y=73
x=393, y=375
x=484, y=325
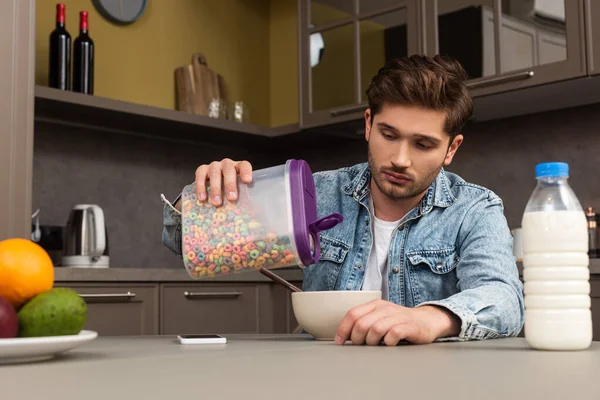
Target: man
x=437, y=246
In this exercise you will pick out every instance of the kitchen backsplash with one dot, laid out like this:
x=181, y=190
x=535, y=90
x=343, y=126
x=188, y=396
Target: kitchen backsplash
x=125, y=175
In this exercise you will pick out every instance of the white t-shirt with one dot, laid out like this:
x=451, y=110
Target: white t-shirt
x=376, y=275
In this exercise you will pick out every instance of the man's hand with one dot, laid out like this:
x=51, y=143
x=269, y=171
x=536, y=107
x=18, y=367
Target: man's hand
x=380, y=320
x=223, y=178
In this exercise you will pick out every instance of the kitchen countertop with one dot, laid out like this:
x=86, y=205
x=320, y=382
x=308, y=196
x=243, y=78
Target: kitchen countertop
x=70, y=274
x=297, y=367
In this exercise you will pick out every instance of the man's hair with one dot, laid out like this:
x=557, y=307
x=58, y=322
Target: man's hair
x=437, y=83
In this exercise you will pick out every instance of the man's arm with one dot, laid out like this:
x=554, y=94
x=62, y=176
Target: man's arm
x=171, y=234
x=490, y=302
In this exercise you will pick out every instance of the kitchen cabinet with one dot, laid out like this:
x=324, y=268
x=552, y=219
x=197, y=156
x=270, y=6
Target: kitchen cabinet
x=595, y=294
x=17, y=50
x=509, y=44
x=503, y=44
x=124, y=302
x=119, y=309
x=216, y=308
x=285, y=318
x=592, y=12
x=342, y=45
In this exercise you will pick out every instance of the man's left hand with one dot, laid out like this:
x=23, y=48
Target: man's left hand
x=381, y=320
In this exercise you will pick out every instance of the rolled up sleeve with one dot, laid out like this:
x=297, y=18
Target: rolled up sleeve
x=490, y=298
x=171, y=234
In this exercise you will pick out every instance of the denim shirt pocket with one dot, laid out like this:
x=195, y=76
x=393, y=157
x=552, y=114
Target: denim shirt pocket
x=432, y=273
x=326, y=271
x=333, y=249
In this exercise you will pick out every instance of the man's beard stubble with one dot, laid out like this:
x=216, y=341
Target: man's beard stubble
x=394, y=192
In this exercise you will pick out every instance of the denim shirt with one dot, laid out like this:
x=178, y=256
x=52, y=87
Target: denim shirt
x=453, y=250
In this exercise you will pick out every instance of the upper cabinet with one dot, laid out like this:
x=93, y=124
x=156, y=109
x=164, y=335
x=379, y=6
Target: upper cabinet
x=342, y=45
x=592, y=11
x=503, y=45
x=509, y=44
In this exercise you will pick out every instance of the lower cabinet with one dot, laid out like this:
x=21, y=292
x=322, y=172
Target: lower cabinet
x=120, y=309
x=210, y=308
x=225, y=308
x=116, y=309
x=595, y=283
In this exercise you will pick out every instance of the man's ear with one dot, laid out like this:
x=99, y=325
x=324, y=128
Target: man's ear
x=368, y=124
x=458, y=139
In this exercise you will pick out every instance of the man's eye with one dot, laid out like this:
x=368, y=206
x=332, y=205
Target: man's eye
x=424, y=146
x=387, y=136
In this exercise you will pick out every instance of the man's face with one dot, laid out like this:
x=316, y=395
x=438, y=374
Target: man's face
x=407, y=149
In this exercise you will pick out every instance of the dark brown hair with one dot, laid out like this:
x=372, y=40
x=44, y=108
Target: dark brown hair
x=437, y=83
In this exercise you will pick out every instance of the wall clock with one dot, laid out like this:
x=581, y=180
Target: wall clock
x=121, y=11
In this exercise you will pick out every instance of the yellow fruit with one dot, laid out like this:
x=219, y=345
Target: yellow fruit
x=26, y=270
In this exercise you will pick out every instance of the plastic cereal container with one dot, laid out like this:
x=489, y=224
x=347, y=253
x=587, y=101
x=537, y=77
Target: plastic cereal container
x=272, y=224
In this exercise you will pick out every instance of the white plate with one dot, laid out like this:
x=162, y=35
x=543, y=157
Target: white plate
x=21, y=350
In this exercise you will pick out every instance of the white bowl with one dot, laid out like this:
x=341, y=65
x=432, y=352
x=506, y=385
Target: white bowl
x=320, y=313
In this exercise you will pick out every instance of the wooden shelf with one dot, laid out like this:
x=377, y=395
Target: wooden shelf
x=99, y=113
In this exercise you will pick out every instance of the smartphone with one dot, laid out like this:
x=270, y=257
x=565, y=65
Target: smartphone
x=201, y=339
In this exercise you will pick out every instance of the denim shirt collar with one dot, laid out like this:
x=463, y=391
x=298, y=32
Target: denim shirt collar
x=438, y=194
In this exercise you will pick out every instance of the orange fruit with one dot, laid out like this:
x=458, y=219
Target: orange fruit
x=26, y=270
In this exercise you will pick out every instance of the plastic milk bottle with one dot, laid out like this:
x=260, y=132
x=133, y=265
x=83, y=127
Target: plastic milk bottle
x=556, y=264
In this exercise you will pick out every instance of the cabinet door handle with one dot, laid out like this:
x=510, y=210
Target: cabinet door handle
x=350, y=110
x=107, y=296
x=501, y=79
x=204, y=295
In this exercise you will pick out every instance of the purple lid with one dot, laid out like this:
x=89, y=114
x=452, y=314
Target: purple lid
x=304, y=212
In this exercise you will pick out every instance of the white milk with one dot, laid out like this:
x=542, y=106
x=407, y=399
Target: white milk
x=555, y=231
x=557, y=290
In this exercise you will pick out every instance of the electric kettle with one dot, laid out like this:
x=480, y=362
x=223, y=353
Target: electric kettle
x=85, y=238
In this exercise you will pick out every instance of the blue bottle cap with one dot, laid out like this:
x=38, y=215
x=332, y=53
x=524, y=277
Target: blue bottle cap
x=554, y=169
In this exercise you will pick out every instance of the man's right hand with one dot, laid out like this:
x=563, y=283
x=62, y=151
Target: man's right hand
x=222, y=176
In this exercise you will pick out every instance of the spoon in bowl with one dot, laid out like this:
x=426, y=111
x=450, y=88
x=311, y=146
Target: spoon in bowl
x=280, y=280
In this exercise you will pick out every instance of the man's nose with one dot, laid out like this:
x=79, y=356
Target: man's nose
x=402, y=157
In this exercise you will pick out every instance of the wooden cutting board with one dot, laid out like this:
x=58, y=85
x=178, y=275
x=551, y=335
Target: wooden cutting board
x=197, y=85
x=185, y=89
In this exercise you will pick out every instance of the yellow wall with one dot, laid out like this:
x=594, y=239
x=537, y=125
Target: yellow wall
x=283, y=62
x=136, y=62
x=252, y=43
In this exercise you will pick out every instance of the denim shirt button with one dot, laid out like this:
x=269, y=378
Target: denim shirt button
x=395, y=270
x=359, y=266
x=438, y=265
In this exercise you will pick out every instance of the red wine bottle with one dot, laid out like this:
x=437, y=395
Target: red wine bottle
x=59, y=71
x=83, y=58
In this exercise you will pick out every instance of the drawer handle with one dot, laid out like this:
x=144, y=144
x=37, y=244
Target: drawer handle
x=350, y=110
x=108, y=296
x=204, y=295
x=501, y=79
